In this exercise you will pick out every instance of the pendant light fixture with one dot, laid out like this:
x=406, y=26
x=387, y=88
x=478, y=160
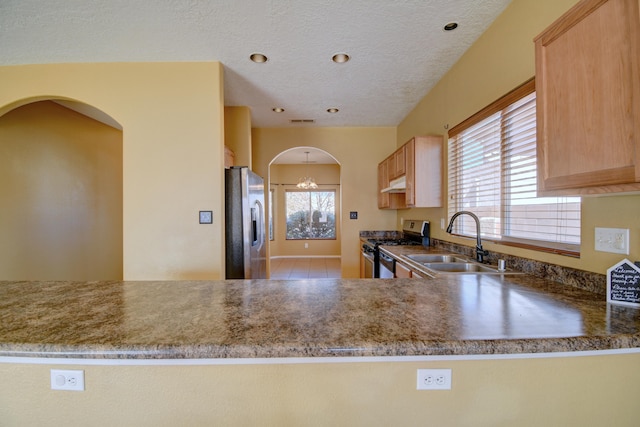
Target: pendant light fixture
x=306, y=182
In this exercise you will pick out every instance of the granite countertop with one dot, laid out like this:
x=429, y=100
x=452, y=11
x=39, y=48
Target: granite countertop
x=450, y=315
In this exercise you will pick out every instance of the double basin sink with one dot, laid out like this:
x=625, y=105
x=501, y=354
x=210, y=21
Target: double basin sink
x=453, y=263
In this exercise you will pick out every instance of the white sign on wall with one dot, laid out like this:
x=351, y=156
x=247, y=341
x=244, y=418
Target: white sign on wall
x=623, y=284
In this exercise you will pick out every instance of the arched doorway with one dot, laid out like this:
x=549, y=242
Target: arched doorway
x=304, y=223
x=61, y=189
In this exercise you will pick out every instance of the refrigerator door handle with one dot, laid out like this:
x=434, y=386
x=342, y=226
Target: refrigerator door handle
x=254, y=227
x=257, y=217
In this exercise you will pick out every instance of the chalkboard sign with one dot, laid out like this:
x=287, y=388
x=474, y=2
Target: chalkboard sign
x=623, y=284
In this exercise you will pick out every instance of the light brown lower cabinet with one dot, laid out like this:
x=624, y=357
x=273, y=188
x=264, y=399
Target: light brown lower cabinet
x=403, y=272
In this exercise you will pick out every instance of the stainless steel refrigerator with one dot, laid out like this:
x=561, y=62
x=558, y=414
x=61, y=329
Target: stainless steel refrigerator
x=245, y=225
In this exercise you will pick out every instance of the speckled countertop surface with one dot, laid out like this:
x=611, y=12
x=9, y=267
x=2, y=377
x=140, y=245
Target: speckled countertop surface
x=452, y=315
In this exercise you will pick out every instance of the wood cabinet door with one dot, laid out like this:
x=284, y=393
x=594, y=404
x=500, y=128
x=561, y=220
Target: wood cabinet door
x=383, y=182
x=588, y=98
x=402, y=272
x=400, y=161
x=424, y=171
x=410, y=172
x=391, y=168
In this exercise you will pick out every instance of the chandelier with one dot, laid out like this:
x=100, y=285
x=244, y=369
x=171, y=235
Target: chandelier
x=306, y=182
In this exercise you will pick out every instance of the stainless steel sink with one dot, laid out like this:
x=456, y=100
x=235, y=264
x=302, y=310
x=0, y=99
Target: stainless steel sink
x=435, y=264
x=465, y=267
x=460, y=267
x=432, y=258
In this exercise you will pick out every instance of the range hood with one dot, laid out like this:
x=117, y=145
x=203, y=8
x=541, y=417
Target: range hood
x=398, y=185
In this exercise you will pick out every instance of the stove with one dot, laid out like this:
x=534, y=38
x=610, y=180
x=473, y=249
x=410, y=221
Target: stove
x=414, y=232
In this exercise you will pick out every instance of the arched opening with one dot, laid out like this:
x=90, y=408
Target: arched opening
x=304, y=223
x=61, y=192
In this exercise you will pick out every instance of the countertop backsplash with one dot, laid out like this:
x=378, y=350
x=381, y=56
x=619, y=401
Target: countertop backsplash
x=384, y=234
x=586, y=280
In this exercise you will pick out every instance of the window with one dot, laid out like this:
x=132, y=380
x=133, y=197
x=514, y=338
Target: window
x=492, y=173
x=311, y=214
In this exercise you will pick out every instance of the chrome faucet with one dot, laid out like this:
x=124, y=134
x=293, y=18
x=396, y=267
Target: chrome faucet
x=480, y=253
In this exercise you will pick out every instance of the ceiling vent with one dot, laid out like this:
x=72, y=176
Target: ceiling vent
x=302, y=121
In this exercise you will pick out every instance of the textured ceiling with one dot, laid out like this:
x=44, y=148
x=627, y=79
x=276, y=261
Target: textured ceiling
x=398, y=48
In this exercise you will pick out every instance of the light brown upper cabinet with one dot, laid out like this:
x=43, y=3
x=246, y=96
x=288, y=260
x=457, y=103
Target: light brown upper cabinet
x=588, y=100
x=383, y=182
x=397, y=160
x=417, y=177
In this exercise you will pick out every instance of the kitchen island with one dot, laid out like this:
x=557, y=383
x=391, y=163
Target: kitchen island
x=468, y=314
x=521, y=350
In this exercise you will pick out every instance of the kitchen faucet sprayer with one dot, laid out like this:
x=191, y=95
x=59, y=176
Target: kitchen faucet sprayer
x=480, y=253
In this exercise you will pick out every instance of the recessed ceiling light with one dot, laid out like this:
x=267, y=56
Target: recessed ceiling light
x=258, y=58
x=278, y=110
x=451, y=26
x=340, y=58
x=332, y=110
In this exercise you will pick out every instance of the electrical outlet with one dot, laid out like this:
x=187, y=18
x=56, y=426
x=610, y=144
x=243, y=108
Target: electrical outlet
x=306, y=245
x=614, y=240
x=67, y=380
x=434, y=379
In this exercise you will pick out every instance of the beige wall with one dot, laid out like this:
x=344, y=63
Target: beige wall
x=358, y=151
x=237, y=134
x=284, y=178
x=172, y=119
x=500, y=60
x=61, y=195
x=575, y=391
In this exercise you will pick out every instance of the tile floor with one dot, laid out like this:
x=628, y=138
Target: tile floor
x=305, y=268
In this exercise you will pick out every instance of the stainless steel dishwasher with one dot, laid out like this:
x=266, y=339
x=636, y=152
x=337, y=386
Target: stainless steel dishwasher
x=386, y=266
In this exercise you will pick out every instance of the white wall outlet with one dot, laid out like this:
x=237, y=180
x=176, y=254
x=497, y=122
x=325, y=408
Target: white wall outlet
x=442, y=223
x=306, y=245
x=434, y=379
x=614, y=240
x=67, y=380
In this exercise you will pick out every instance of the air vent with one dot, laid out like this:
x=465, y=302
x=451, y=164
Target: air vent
x=302, y=121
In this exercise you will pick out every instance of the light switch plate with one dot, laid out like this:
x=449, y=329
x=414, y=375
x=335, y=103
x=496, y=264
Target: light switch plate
x=206, y=217
x=614, y=240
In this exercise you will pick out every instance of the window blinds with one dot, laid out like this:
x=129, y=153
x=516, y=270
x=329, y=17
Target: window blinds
x=492, y=173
